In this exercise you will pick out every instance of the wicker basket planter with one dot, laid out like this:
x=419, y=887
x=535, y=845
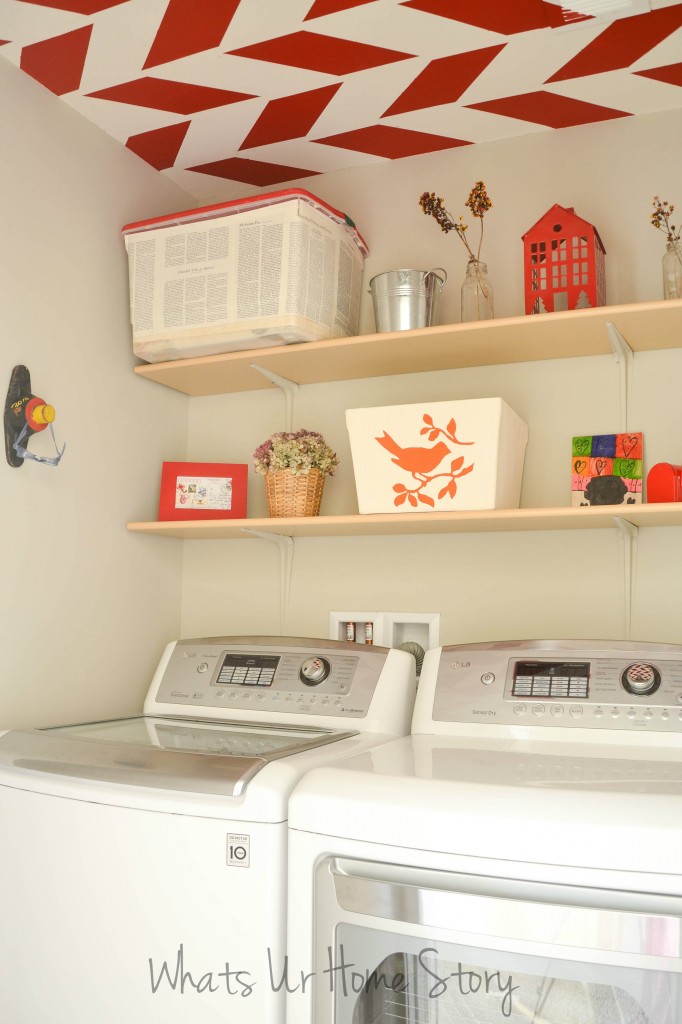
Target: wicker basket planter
x=292, y=494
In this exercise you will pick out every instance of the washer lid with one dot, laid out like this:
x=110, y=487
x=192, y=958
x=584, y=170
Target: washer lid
x=160, y=753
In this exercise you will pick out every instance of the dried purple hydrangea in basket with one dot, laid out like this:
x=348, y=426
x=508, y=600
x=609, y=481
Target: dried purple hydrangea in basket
x=295, y=464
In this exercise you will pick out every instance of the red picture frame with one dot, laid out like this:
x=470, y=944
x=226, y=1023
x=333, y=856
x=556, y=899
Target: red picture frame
x=203, y=490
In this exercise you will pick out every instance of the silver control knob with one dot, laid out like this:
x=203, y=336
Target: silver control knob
x=641, y=679
x=314, y=671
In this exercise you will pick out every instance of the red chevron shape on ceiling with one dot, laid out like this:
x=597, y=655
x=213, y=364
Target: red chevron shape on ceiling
x=549, y=109
x=77, y=6
x=58, y=63
x=495, y=15
x=307, y=73
x=252, y=172
x=322, y=7
x=162, y=94
x=669, y=73
x=290, y=117
x=622, y=43
x=320, y=53
x=161, y=146
x=391, y=143
x=444, y=80
x=185, y=30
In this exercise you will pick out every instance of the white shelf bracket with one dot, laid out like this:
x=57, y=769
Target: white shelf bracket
x=289, y=387
x=286, y=558
x=623, y=355
x=628, y=535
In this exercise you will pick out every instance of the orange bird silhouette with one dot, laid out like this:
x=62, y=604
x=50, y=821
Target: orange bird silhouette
x=414, y=460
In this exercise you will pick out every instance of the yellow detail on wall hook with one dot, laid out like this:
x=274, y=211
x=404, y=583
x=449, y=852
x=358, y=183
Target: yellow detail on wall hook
x=26, y=415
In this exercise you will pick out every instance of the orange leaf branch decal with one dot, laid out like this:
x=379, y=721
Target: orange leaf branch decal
x=421, y=464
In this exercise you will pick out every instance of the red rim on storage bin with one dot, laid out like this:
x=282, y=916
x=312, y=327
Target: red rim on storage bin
x=250, y=203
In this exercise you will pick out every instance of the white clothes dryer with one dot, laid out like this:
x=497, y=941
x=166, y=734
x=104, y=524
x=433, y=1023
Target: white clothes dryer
x=517, y=859
x=144, y=860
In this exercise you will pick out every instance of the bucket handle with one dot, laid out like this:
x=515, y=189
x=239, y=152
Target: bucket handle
x=427, y=273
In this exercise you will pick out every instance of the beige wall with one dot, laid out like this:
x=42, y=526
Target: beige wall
x=86, y=607
x=485, y=586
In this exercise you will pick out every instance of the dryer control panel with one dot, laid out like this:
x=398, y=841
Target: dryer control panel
x=561, y=684
x=329, y=678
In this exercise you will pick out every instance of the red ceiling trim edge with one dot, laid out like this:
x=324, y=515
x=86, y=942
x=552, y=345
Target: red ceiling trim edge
x=58, y=63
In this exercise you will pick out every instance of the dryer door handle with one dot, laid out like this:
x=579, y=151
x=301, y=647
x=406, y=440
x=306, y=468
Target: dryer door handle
x=556, y=915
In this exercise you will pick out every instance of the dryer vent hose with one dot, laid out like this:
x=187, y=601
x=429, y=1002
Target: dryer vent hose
x=416, y=650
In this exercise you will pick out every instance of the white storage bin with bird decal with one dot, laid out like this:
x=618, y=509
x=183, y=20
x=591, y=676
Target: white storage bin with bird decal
x=437, y=456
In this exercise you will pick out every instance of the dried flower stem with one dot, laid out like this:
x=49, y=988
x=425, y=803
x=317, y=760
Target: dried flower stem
x=478, y=202
x=660, y=219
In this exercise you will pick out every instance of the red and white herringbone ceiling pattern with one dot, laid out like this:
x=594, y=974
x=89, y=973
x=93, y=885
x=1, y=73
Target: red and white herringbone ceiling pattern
x=262, y=92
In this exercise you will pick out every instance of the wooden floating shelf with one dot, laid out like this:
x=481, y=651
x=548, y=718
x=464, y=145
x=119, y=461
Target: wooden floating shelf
x=392, y=524
x=645, y=326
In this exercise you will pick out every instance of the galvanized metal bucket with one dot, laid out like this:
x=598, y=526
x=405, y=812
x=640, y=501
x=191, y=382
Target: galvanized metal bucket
x=406, y=299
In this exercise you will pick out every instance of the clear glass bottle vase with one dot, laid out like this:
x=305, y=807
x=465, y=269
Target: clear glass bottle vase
x=672, y=271
x=477, y=293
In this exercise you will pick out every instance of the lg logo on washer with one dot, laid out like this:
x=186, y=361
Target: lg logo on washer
x=238, y=851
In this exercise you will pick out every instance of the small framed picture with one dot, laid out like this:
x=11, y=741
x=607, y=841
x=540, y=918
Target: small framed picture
x=203, y=490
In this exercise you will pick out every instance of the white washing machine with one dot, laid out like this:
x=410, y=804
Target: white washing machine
x=517, y=859
x=143, y=860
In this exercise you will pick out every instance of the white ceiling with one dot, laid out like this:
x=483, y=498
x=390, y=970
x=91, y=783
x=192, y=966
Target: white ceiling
x=260, y=92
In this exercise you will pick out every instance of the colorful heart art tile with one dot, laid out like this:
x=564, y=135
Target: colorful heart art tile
x=613, y=473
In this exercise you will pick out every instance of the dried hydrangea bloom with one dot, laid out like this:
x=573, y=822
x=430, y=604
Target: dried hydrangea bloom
x=300, y=451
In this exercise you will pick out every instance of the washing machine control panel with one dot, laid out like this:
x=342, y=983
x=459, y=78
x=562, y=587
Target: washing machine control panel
x=332, y=678
x=614, y=686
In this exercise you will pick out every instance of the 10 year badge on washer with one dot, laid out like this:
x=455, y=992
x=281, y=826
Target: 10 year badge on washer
x=238, y=851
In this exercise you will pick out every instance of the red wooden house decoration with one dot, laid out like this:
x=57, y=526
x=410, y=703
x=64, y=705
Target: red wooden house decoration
x=563, y=263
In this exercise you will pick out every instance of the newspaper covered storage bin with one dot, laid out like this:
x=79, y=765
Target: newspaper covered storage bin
x=437, y=456
x=268, y=270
